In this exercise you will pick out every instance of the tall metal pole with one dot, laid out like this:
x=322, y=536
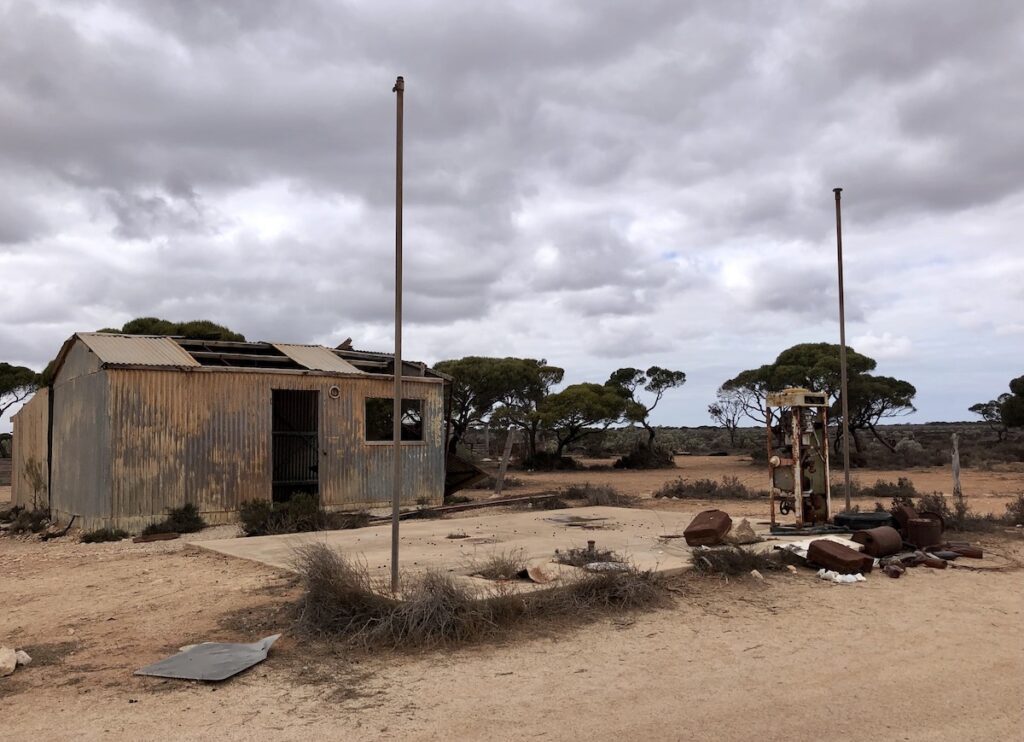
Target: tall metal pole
x=842, y=351
x=396, y=430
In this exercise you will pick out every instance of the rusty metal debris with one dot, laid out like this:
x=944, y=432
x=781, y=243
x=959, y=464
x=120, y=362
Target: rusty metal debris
x=879, y=542
x=924, y=532
x=966, y=550
x=708, y=528
x=838, y=558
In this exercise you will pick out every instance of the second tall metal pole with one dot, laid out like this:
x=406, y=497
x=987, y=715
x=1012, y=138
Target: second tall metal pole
x=842, y=352
x=396, y=430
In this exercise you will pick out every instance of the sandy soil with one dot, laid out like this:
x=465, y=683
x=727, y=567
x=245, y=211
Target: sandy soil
x=933, y=656
x=936, y=655
x=986, y=491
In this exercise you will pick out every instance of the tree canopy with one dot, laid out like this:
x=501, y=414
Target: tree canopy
x=992, y=413
x=519, y=407
x=1012, y=407
x=1005, y=411
x=17, y=383
x=628, y=382
x=578, y=410
x=816, y=366
x=197, y=329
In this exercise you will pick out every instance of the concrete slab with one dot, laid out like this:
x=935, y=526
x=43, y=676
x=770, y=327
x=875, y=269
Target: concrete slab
x=633, y=533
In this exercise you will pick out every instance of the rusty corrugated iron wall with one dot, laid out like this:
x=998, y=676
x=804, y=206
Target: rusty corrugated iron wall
x=204, y=436
x=80, y=469
x=30, y=457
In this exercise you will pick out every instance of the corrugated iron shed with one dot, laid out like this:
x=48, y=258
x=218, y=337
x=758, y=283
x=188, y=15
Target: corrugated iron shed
x=316, y=358
x=137, y=350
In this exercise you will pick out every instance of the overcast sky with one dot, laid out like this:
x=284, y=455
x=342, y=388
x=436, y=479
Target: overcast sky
x=596, y=183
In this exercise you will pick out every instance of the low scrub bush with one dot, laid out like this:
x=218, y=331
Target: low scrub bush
x=491, y=482
x=1015, y=510
x=595, y=495
x=102, y=535
x=647, y=457
x=732, y=561
x=730, y=488
x=581, y=557
x=901, y=491
x=544, y=461
x=501, y=565
x=28, y=521
x=959, y=516
x=298, y=514
x=341, y=601
x=185, y=519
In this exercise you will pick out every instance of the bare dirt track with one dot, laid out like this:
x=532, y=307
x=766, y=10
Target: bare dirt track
x=936, y=655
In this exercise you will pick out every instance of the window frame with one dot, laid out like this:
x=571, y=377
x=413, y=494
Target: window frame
x=421, y=441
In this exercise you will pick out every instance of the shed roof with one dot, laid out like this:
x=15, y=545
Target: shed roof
x=316, y=358
x=157, y=351
x=137, y=350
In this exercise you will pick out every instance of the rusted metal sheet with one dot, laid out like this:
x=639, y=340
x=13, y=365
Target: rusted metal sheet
x=879, y=542
x=205, y=436
x=708, y=528
x=137, y=350
x=77, y=361
x=903, y=513
x=80, y=469
x=923, y=532
x=838, y=558
x=317, y=358
x=29, y=457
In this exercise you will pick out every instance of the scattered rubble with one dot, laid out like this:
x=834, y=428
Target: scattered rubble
x=742, y=534
x=10, y=659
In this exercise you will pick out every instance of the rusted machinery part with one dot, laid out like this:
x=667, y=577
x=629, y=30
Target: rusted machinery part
x=924, y=532
x=879, y=542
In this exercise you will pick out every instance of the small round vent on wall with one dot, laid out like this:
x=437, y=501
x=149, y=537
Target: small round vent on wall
x=334, y=392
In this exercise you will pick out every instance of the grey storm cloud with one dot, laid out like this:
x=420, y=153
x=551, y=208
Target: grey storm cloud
x=591, y=182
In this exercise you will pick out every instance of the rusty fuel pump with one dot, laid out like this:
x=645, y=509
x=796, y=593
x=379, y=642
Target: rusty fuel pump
x=798, y=457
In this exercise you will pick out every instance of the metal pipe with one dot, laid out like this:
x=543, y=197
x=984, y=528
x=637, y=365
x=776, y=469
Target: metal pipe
x=396, y=494
x=842, y=352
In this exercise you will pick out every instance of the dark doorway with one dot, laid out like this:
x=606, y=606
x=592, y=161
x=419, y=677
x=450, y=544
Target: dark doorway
x=295, y=447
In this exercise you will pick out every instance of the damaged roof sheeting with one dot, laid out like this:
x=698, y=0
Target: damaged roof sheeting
x=155, y=351
x=137, y=350
x=316, y=358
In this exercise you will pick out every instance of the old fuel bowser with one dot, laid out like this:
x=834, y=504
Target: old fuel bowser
x=798, y=456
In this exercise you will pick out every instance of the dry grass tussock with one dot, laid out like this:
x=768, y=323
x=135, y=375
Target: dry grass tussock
x=730, y=561
x=597, y=495
x=342, y=601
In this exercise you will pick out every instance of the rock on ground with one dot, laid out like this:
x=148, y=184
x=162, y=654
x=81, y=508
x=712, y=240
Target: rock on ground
x=8, y=661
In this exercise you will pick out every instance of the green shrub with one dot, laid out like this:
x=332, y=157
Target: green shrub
x=1015, y=510
x=298, y=514
x=647, y=457
x=185, y=519
x=597, y=495
x=29, y=521
x=101, y=535
x=730, y=488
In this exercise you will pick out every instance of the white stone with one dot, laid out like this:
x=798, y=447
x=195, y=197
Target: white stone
x=23, y=657
x=8, y=661
x=755, y=573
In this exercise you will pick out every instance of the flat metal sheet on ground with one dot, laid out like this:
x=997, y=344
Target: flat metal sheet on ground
x=574, y=519
x=211, y=660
